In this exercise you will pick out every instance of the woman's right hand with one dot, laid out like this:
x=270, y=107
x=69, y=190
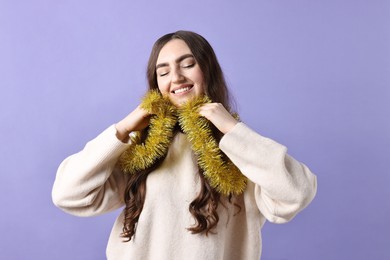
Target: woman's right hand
x=137, y=120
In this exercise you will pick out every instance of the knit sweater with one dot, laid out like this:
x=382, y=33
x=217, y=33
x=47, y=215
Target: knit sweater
x=90, y=183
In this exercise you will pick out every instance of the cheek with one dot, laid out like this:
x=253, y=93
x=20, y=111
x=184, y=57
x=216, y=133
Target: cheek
x=162, y=86
x=198, y=77
x=201, y=83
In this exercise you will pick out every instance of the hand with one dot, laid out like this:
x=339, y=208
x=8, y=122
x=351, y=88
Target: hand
x=217, y=114
x=137, y=120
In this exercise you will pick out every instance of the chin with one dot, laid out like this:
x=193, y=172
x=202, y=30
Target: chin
x=178, y=103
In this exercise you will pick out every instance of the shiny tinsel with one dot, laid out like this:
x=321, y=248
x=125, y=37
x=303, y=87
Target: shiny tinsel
x=223, y=175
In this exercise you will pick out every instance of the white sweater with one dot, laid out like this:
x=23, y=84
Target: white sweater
x=89, y=183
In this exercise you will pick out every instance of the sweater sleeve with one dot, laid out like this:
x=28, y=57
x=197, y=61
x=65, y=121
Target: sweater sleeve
x=283, y=186
x=89, y=182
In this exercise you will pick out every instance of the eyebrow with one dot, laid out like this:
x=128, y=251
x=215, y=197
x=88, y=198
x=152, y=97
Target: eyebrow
x=178, y=60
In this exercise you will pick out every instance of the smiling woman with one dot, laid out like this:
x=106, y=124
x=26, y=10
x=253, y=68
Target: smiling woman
x=202, y=184
x=178, y=74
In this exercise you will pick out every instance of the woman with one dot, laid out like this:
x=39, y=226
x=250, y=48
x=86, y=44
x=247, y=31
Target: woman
x=177, y=205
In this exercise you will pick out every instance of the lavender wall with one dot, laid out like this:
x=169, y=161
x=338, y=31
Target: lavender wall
x=314, y=75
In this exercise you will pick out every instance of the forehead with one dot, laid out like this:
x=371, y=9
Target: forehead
x=172, y=50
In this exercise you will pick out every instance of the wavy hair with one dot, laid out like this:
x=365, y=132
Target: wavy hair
x=204, y=207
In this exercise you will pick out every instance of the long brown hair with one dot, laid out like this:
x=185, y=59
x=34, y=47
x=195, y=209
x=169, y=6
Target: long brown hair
x=204, y=206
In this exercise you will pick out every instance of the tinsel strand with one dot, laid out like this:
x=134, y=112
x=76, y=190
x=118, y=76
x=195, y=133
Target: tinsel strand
x=224, y=176
x=142, y=156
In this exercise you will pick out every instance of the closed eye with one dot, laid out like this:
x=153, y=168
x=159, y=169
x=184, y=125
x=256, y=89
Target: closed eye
x=189, y=65
x=162, y=72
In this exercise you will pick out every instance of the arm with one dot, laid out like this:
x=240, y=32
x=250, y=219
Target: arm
x=283, y=186
x=89, y=183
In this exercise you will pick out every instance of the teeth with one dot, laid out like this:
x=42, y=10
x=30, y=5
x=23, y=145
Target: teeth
x=182, y=90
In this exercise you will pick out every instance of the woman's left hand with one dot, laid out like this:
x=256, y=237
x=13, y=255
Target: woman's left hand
x=217, y=114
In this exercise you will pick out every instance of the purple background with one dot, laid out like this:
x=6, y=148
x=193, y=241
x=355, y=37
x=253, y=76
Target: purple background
x=313, y=75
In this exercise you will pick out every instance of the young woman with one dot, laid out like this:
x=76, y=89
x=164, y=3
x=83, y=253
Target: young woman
x=184, y=198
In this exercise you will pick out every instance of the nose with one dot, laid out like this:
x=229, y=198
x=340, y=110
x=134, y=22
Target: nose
x=177, y=76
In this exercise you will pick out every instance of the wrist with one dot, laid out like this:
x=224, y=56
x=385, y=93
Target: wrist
x=122, y=133
x=230, y=126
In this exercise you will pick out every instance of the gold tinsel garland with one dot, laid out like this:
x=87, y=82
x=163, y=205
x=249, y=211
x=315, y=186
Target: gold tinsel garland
x=224, y=176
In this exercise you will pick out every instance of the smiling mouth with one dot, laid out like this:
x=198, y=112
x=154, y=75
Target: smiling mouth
x=182, y=90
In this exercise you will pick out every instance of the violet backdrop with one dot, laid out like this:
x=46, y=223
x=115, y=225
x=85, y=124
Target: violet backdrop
x=313, y=75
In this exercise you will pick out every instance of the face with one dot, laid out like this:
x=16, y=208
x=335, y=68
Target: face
x=178, y=74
